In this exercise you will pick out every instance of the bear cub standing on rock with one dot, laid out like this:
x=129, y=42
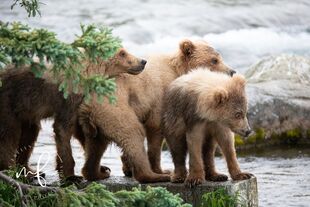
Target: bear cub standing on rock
x=200, y=110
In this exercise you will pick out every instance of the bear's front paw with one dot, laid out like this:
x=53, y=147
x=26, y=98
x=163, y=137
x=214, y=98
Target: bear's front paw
x=193, y=180
x=74, y=179
x=160, y=171
x=217, y=178
x=104, y=172
x=127, y=172
x=177, y=178
x=105, y=169
x=70, y=180
x=242, y=176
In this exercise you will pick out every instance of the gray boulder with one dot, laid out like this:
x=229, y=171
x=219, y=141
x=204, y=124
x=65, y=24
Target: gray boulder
x=279, y=97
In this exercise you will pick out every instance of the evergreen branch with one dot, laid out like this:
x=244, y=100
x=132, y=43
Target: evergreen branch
x=22, y=46
x=31, y=6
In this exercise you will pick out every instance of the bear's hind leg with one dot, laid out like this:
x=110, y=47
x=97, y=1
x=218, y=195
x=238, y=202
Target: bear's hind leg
x=30, y=132
x=94, y=149
x=127, y=166
x=64, y=159
x=154, y=143
x=208, y=158
x=10, y=133
x=134, y=148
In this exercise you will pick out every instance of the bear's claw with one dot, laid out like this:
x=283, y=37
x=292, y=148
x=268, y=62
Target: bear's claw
x=217, y=178
x=242, y=176
x=193, y=181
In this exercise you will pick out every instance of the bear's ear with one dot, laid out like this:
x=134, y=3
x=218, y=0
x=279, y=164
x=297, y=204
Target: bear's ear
x=220, y=96
x=187, y=47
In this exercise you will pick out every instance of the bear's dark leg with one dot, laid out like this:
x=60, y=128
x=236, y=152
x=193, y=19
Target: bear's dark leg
x=64, y=160
x=208, y=158
x=10, y=132
x=30, y=132
x=127, y=165
x=80, y=136
x=94, y=149
x=178, y=150
x=154, y=143
x=194, y=139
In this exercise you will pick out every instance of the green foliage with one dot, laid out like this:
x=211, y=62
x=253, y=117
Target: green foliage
x=96, y=194
x=31, y=6
x=220, y=198
x=35, y=199
x=131, y=198
x=22, y=46
x=154, y=197
x=93, y=195
x=17, y=169
x=8, y=195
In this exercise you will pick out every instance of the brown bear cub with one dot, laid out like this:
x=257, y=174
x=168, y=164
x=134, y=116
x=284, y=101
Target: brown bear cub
x=137, y=113
x=200, y=110
x=26, y=100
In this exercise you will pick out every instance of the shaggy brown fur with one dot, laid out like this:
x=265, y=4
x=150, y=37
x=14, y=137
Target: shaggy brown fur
x=200, y=110
x=136, y=114
x=25, y=100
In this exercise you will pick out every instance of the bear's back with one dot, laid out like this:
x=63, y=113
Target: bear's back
x=29, y=97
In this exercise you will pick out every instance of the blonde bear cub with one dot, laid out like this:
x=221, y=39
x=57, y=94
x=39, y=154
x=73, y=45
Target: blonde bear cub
x=201, y=110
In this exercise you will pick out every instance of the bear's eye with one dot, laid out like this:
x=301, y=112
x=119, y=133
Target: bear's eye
x=122, y=53
x=238, y=115
x=214, y=61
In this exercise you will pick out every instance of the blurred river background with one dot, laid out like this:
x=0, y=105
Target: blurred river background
x=243, y=31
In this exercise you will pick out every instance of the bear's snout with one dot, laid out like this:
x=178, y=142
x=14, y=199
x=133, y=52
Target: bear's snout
x=248, y=132
x=143, y=62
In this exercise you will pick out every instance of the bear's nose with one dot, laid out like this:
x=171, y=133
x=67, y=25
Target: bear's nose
x=143, y=62
x=248, y=132
x=232, y=72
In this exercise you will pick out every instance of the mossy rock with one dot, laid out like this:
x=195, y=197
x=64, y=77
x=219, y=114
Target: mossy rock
x=258, y=137
x=238, y=140
x=291, y=136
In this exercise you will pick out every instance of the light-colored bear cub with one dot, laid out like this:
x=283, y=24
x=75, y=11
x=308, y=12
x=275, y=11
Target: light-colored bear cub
x=202, y=109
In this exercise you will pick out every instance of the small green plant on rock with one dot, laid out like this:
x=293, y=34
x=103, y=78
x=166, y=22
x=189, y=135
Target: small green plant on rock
x=220, y=198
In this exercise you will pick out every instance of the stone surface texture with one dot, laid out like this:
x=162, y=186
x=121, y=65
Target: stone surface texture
x=279, y=94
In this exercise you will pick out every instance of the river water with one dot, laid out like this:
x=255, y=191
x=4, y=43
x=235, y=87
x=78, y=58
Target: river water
x=244, y=31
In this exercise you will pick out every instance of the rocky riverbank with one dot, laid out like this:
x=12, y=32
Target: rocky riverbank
x=279, y=101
